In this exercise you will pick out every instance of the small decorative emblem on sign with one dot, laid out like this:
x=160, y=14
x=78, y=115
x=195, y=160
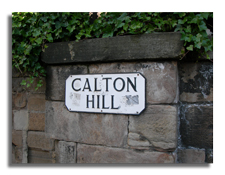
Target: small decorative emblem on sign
x=122, y=93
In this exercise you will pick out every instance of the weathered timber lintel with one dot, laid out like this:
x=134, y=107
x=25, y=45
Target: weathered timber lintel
x=164, y=45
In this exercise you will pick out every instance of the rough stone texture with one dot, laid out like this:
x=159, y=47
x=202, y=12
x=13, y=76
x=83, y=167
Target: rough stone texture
x=17, y=138
x=196, y=82
x=161, y=78
x=191, y=156
x=100, y=154
x=19, y=100
x=65, y=152
x=36, y=102
x=157, y=125
x=15, y=72
x=146, y=46
x=136, y=141
x=56, y=78
x=36, y=121
x=40, y=157
x=39, y=140
x=17, y=154
x=196, y=126
x=24, y=148
x=88, y=128
x=34, y=85
x=209, y=156
x=20, y=120
x=17, y=87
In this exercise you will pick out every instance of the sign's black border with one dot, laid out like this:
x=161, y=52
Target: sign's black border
x=109, y=112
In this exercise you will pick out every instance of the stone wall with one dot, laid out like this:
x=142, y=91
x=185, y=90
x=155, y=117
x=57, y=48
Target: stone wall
x=29, y=141
x=175, y=127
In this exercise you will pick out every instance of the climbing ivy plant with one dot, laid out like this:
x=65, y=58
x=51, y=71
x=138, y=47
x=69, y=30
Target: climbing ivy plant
x=31, y=32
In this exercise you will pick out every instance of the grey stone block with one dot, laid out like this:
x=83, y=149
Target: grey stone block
x=40, y=156
x=56, y=78
x=20, y=120
x=131, y=47
x=196, y=125
x=191, y=156
x=157, y=125
x=100, y=154
x=65, y=152
x=161, y=78
x=88, y=128
x=39, y=140
x=196, y=82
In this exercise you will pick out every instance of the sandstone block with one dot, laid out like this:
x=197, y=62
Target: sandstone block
x=162, y=45
x=36, y=121
x=17, y=138
x=100, y=154
x=16, y=86
x=157, y=125
x=196, y=82
x=161, y=78
x=39, y=140
x=196, y=126
x=40, y=156
x=20, y=120
x=17, y=154
x=191, y=156
x=19, y=100
x=88, y=128
x=56, y=78
x=36, y=102
x=66, y=152
x=137, y=141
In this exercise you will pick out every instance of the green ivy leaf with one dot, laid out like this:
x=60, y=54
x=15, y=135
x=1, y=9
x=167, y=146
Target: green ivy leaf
x=71, y=28
x=106, y=35
x=36, y=32
x=188, y=29
x=180, y=21
x=198, y=45
x=198, y=37
x=57, y=24
x=38, y=40
x=202, y=26
x=23, y=83
x=120, y=24
x=125, y=27
x=205, y=15
x=190, y=48
x=136, y=25
x=28, y=49
x=49, y=37
x=194, y=20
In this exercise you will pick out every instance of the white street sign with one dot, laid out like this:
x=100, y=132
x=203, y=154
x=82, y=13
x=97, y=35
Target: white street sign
x=120, y=93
